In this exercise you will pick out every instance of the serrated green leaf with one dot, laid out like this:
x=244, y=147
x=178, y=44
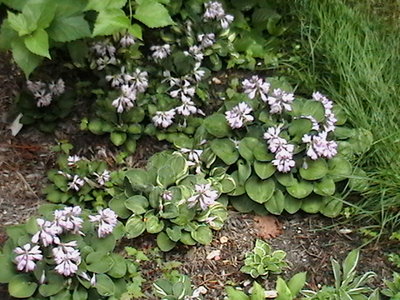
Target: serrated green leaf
x=153, y=14
x=38, y=43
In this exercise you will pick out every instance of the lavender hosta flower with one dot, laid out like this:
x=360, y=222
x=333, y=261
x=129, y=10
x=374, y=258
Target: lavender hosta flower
x=318, y=146
x=26, y=257
x=160, y=52
x=206, y=40
x=204, y=196
x=280, y=101
x=105, y=221
x=239, y=115
x=103, y=177
x=67, y=258
x=76, y=183
x=164, y=118
x=126, y=101
x=58, y=88
x=72, y=160
x=48, y=233
x=68, y=219
x=256, y=86
x=127, y=40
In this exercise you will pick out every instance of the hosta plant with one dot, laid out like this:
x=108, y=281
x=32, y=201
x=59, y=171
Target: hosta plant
x=80, y=181
x=165, y=199
x=67, y=253
x=285, y=152
x=347, y=284
x=262, y=260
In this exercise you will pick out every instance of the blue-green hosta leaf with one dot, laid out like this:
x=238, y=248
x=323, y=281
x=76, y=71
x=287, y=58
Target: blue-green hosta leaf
x=300, y=189
x=314, y=169
x=69, y=28
x=110, y=21
x=225, y=149
x=38, y=43
x=25, y=59
x=259, y=190
x=312, y=204
x=21, y=286
x=153, y=14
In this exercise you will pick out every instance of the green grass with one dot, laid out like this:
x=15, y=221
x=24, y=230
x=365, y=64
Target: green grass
x=350, y=54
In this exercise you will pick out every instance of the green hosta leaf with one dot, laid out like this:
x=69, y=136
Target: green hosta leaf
x=134, y=227
x=110, y=21
x=225, y=149
x=38, y=43
x=137, y=204
x=105, y=4
x=104, y=285
x=244, y=170
x=259, y=190
x=315, y=169
x=312, y=204
x=21, y=286
x=300, y=189
x=292, y=205
x=69, y=28
x=154, y=224
x=164, y=242
x=264, y=170
x=119, y=267
x=326, y=187
x=217, y=125
x=118, y=138
x=339, y=168
x=276, y=204
x=25, y=59
x=99, y=262
x=203, y=235
x=332, y=206
x=153, y=14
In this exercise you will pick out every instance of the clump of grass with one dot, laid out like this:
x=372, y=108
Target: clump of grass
x=351, y=57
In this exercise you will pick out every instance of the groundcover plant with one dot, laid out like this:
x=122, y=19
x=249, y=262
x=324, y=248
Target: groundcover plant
x=249, y=141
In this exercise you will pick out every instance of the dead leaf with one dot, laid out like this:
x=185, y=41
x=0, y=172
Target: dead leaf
x=267, y=227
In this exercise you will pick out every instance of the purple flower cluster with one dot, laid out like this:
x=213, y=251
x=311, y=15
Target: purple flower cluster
x=44, y=93
x=239, y=115
x=281, y=148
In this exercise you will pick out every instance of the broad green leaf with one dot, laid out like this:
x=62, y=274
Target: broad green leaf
x=276, y=204
x=21, y=286
x=203, y=235
x=110, y=21
x=164, y=242
x=259, y=190
x=134, y=227
x=69, y=28
x=119, y=267
x=314, y=169
x=225, y=149
x=300, y=189
x=38, y=43
x=296, y=283
x=153, y=14
x=217, y=125
x=138, y=204
x=99, y=262
x=264, y=170
x=104, y=4
x=104, y=285
x=25, y=59
x=325, y=187
x=312, y=204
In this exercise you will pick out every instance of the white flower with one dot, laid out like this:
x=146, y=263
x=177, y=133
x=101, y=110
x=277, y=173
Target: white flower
x=239, y=115
x=106, y=220
x=48, y=233
x=103, y=177
x=127, y=40
x=280, y=101
x=204, y=195
x=76, y=183
x=206, y=40
x=73, y=159
x=68, y=219
x=164, y=118
x=160, y=52
x=256, y=86
x=27, y=255
x=67, y=258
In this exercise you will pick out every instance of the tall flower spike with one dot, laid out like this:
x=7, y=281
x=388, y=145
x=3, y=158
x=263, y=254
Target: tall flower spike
x=27, y=255
x=106, y=220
